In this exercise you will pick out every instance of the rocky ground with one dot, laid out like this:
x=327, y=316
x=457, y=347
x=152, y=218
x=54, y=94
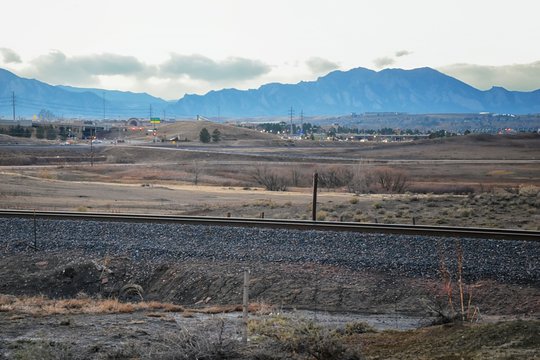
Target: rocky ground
x=200, y=266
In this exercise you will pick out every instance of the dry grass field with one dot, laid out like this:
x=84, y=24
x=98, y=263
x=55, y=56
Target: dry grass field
x=479, y=180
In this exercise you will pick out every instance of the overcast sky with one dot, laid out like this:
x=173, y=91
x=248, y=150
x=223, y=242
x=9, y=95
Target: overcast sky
x=171, y=47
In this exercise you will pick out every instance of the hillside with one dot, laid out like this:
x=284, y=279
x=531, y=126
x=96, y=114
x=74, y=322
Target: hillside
x=190, y=130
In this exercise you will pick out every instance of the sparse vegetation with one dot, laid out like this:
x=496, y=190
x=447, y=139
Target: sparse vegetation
x=302, y=337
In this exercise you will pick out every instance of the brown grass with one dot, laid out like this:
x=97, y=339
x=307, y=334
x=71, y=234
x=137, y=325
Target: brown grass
x=42, y=306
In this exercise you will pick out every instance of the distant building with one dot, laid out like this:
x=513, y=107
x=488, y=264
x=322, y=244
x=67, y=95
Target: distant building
x=7, y=123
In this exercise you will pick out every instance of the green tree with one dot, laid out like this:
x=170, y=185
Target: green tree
x=204, y=135
x=216, y=135
x=63, y=133
x=51, y=133
x=40, y=132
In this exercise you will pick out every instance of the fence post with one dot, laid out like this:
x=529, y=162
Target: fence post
x=35, y=231
x=245, y=304
x=314, y=203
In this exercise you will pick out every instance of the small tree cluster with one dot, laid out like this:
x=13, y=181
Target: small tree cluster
x=18, y=131
x=205, y=137
x=51, y=133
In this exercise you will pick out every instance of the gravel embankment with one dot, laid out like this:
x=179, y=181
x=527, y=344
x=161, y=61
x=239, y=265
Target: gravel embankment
x=507, y=261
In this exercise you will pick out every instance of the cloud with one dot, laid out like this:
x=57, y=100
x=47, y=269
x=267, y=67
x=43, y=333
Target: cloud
x=203, y=68
x=383, y=61
x=521, y=77
x=56, y=67
x=319, y=65
x=401, y=53
x=10, y=56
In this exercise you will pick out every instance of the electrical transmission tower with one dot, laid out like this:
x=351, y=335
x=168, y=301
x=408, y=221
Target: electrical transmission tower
x=13, y=103
x=302, y=121
x=291, y=114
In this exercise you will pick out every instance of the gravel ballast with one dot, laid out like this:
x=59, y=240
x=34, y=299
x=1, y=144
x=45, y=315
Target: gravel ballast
x=408, y=255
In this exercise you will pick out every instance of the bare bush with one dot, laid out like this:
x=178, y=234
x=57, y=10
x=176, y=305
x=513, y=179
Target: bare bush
x=334, y=177
x=390, y=180
x=196, y=169
x=447, y=312
x=295, y=177
x=300, y=336
x=200, y=343
x=269, y=179
x=361, y=180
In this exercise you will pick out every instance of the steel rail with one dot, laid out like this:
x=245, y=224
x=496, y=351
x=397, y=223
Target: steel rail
x=446, y=231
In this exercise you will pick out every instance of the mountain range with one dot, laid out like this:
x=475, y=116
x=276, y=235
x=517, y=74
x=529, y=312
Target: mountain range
x=360, y=90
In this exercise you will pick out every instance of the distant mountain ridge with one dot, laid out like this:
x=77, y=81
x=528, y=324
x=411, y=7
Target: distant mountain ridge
x=359, y=90
x=31, y=96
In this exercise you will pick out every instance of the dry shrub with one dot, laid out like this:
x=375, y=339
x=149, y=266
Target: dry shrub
x=7, y=299
x=191, y=344
x=447, y=313
x=390, y=180
x=46, y=174
x=358, y=327
x=334, y=177
x=261, y=308
x=529, y=190
x=434, y=188
x=269, y=179
x=301, y=336
x=321, y=215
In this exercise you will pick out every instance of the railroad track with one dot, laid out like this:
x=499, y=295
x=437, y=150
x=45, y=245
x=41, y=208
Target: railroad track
x=447, y=231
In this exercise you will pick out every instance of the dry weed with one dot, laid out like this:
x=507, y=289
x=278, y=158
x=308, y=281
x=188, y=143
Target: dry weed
x=41, y=306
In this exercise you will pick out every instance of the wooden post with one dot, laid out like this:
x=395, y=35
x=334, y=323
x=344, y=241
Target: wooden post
x=262, y=215
x=314, y=204
x=245, y=303
x=228, y=214
x=35, y=231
